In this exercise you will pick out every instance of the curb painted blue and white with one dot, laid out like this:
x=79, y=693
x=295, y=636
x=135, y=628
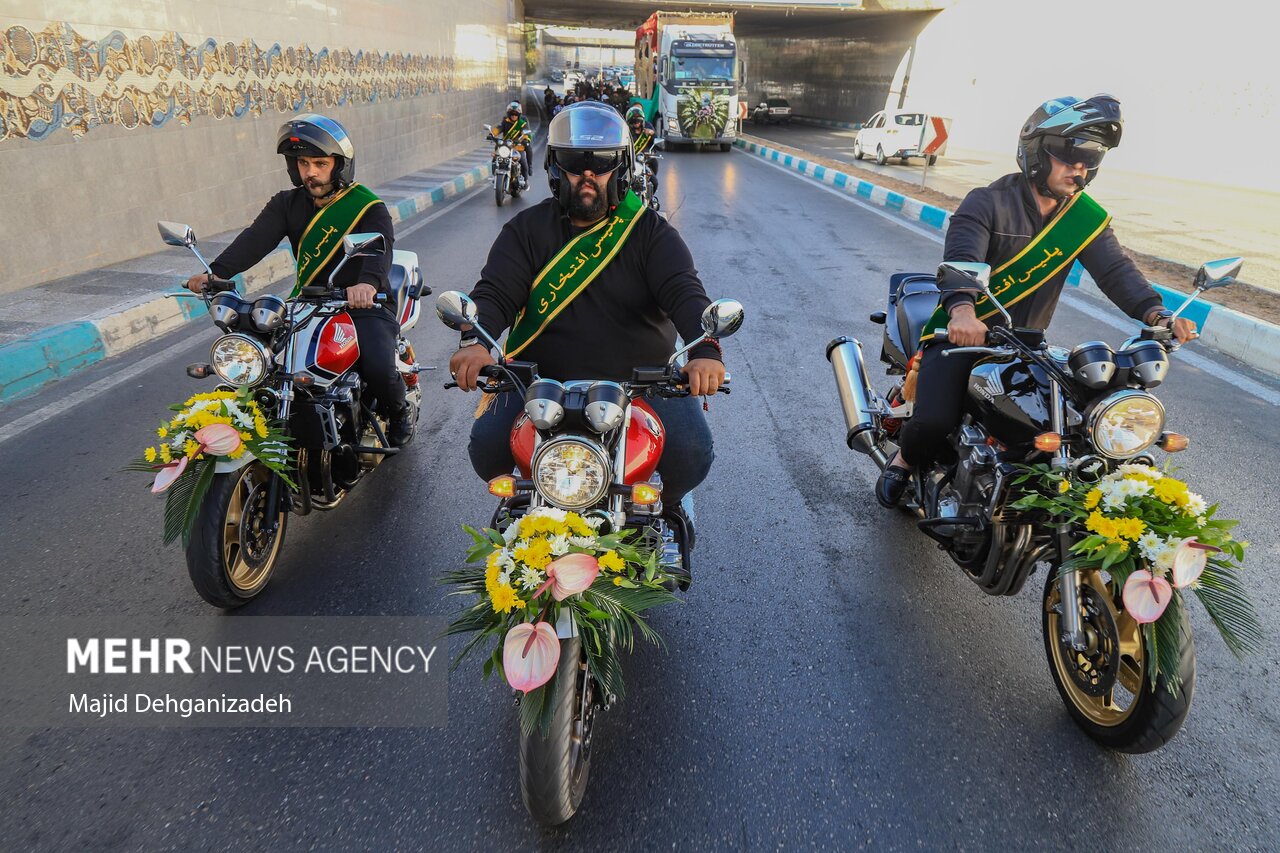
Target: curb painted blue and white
x=31, y=363
x=1253, y=341
x=826, y=122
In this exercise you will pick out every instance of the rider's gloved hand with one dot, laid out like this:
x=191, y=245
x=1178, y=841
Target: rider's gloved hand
x=466, y=363
x=706, y=375
x=197, y=282
x=361, y=295
x=965, y=329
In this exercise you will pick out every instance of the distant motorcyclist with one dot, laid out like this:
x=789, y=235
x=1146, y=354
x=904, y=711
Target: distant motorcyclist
x=514, y=131
x=642, y=139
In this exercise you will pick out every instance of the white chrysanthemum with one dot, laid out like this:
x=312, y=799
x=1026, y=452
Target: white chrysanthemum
x=505, y=560
x=1160, y=571
x=548, y=512
x=1202, y=520
x=1113, y=501
x=1164, y=559
x=1195, y=505
x=594, y=522
x=1139, y=469
x=504, y=578
x=1138, y=488
x=531, y=579
x=1151, y=544
x=509, y=535
x=583, y=542
x=559, y=545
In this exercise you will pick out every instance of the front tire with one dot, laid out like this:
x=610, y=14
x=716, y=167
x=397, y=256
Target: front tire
x=498, y=191
x=857, y=150
x=1106, y=688
x=554, y=768
x=230, y=557
x=880, y=158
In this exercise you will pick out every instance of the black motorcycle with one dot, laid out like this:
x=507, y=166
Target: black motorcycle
x=298, y=356
x=1029, y=402
x=508, y=165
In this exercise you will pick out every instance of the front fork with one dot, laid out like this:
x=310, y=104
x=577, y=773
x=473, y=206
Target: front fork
x=1068, y=582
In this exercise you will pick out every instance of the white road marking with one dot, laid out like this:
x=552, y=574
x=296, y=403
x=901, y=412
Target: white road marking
x=1079, y=303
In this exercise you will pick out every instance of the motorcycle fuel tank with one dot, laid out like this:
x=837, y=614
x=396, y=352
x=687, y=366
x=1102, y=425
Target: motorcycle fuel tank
x=326, y=349
x=646, y=437
x=1010, y=400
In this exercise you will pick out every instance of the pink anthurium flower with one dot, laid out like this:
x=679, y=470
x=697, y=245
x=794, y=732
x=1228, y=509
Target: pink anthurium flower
x=1146, y=596
x=168, y=474
x=218, y=439
x=530, y=655
x=570, y=575
x=1189, y=560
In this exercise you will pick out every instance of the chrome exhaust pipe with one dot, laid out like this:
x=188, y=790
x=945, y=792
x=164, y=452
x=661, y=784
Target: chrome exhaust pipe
x=856, y=396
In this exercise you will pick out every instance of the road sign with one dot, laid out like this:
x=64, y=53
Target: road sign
x=935, y=136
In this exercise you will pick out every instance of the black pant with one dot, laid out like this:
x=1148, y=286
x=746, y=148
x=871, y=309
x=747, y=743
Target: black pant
x=940, y=390
x=376, y=332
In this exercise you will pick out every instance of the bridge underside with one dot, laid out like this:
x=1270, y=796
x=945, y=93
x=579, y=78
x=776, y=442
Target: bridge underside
x=835, y=63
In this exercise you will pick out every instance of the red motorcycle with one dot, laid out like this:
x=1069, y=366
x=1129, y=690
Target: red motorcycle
x=591, y=447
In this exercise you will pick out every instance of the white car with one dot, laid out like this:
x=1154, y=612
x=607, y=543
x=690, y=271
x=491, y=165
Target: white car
x=892, y=133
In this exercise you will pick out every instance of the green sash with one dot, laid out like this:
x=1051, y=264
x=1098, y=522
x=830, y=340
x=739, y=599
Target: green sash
x=324, y=234
x=643, y=141
x=1056, y=246
x=517, y=130
x=571, y=270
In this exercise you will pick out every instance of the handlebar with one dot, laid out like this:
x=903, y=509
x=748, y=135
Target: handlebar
x=322, y=293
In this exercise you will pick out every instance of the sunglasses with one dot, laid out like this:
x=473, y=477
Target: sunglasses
x=1072, y=150
x=575, y=161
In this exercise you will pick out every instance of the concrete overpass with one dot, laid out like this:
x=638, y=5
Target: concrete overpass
x=831, y=59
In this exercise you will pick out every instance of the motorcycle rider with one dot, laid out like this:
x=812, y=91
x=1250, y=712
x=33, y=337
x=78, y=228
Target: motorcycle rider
x=1060, y=148
x=514, y=130
x=642, y=139
x=627, y=315
x=321, y=163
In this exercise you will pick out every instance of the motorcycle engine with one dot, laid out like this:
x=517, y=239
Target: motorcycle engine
x=969, y=493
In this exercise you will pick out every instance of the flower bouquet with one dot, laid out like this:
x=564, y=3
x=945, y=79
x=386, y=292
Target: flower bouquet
x=1155, y=539
x=544, y=568
x=207, y=429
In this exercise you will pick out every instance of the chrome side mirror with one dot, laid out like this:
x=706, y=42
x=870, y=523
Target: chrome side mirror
x=177, y=234
x=363, y=244
x=456, y=310
x=1218, y=273
x=722, y=318
x=964, y=276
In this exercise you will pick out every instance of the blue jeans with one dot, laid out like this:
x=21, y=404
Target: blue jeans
x=686, y=456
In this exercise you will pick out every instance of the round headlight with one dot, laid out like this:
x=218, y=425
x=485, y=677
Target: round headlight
x=1126, y=423
x=504, y=151
x=240, y=360
x=570, y=474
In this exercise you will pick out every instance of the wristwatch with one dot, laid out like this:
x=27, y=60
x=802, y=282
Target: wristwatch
x=1157, y=315
x=469, y=340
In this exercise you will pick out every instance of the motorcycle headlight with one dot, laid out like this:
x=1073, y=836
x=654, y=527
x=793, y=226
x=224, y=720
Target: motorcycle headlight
x=570, y=473
x=1126, y=423
x=504, y=151
x=240, y=360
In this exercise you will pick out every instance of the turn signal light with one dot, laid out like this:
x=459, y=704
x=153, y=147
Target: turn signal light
x=199, y=371
x=1048, y=442
x=1172, y=442
x=503, y=487
x=643, y=494
x=303, y=379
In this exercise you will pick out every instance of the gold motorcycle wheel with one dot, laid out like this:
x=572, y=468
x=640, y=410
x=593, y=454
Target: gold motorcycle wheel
x=230, y=556
x=1105, y=686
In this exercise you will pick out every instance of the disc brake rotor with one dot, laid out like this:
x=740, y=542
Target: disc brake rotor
x=1093, y=670
x=255, y=542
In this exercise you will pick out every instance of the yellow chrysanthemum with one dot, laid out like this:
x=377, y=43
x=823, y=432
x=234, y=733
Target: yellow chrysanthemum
x=239, y=451
x=1170, y=491
x=1130, y=528
x=617, y=581
x=611, y=562
x=1063, y=487
x=1141, y=475
x=260, y=426
x=165, y=455
x=244, y=436
x=149, y=454
x=1101, y=525
x=161, y=432
x=578, y=525
x=191, y=448
x=504, y=599
x=1092, y=498
x=535, y=555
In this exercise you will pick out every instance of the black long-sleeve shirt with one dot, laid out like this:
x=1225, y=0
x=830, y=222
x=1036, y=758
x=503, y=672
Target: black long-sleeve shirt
x=287, y=214
x=627, y=317
x=995, y=222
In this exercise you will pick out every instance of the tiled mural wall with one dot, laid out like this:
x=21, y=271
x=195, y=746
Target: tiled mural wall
x=114, y=115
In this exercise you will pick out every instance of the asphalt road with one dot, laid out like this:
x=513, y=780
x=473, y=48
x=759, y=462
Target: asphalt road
x=832, y=681
x=1176, y=218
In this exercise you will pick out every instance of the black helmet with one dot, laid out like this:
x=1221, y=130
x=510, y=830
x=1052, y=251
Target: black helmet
x=313, y=135
x=1073, y=131
x=589, y=126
